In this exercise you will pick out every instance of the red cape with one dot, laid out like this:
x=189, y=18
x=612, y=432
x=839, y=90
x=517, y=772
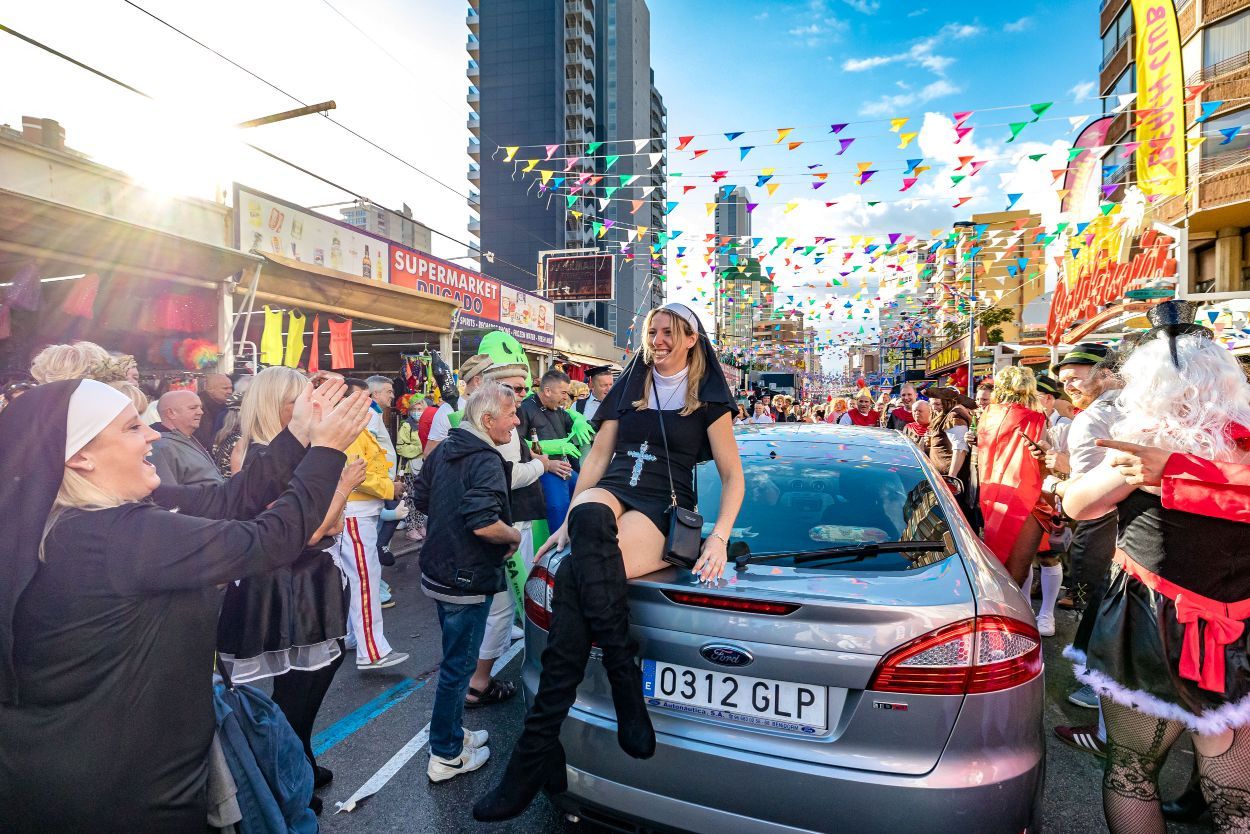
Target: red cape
x=872, y=418
x=1011, y=478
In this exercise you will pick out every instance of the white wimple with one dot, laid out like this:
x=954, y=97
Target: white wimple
x=1211, y=722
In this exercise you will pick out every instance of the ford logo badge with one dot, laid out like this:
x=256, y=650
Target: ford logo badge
x=726, y=655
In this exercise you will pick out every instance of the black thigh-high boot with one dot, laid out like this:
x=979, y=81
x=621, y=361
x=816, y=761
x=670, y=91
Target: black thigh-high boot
x=538, y=759
x=600, y=573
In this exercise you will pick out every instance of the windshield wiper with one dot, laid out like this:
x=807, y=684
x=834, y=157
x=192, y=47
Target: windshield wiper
x=859, y=550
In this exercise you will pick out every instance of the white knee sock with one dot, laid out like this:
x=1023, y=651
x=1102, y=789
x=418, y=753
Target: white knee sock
x=1052, y=581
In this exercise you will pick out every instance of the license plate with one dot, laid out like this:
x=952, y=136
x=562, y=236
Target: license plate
x=760, y=702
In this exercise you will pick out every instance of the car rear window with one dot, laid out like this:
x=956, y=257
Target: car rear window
x=801, y=505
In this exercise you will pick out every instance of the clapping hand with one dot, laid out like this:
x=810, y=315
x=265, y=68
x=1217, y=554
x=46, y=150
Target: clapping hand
x=337, y=427
x=313, y=397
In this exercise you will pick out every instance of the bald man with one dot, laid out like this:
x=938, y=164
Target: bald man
x=214, y=392
x=178, y=457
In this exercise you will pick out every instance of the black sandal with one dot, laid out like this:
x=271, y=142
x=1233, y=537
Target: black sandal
x=495, y=693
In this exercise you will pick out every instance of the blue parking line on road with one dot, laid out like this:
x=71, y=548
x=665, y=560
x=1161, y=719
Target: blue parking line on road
x=358, y=718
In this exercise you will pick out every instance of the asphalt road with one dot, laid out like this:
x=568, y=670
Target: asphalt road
x=369, y=718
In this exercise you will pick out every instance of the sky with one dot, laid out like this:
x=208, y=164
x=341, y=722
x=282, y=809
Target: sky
x=396, y=69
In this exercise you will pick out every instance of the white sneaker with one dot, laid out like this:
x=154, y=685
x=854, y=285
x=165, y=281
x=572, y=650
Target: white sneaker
x=470, y=759
x=1046, y=625
x=392, y=659
x=518, y=633
x=476, y=738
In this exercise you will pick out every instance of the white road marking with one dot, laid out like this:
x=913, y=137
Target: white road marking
x=387, y=772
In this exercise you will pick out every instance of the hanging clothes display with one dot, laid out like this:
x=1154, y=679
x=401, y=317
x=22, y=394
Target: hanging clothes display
x=25, y=292
x=271, y=338
x=314, y=350
x=81, y=299
x=341, y=344
x=294, y=338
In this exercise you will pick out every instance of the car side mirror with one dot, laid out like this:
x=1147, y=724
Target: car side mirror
x=955, y=484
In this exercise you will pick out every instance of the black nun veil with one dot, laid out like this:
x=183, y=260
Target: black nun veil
x=32, y=458
x=627, y=390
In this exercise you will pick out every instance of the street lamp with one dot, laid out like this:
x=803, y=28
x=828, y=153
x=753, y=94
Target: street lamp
x=964, y=225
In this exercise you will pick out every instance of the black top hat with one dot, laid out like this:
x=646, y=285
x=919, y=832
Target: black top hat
x=1175, y=318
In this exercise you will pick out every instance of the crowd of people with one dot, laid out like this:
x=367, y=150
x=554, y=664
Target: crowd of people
x=244, y=525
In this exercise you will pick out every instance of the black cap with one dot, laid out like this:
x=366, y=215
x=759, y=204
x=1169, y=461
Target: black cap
x=1086, y=353
x=602, y=369
x=1049, y=385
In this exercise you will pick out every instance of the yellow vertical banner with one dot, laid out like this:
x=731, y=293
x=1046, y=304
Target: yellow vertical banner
x=1160, y=102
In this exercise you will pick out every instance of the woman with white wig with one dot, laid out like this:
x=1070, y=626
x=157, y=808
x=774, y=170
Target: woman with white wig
x=108, y=600
x=1168, y=650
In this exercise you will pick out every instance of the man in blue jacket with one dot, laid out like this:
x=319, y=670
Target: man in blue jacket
x=463, y=488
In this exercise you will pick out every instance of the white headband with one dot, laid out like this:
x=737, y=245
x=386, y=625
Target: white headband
x=92, y=406
x=685, y=312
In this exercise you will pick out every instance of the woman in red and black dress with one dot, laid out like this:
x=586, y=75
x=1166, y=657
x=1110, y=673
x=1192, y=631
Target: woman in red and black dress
x=1168, y=650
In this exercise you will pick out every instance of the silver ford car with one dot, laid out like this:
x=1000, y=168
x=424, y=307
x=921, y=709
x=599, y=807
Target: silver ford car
x=866, y=665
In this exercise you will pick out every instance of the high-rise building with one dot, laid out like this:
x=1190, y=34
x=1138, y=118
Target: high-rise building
x=577, y=74
x=744, y=294
x=399, y=226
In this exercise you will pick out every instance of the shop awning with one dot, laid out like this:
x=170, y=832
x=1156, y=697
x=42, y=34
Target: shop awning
x=34, y=228
x=311, y=287
x=593, y=361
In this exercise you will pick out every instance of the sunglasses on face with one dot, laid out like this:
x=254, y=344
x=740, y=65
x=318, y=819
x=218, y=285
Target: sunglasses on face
x=519, y=390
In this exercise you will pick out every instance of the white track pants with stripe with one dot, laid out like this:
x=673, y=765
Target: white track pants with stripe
x=356, y=554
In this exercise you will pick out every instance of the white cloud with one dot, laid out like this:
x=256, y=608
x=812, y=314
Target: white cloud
x=917, y=12
x=761, y=16
x=921, y=53
x=1084, y=91
x=863, y=6
x=817, y=26
x=890, y=105
x=1020, y=25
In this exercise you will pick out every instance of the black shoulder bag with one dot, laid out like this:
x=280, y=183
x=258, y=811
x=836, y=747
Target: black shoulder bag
x=685, y=527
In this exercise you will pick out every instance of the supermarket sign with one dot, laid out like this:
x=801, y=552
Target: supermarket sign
x=484, y=301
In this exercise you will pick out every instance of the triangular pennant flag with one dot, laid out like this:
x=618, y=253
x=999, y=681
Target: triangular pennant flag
x=610, y=161
x=546, y=176
x=733, y=136
x=897, y=124
x=639, y=144
x=1016, y=127
x=961, y=117
x=865, y=176
x=511, y=149
x=551, y=150
x=751, y=207
x=683, y=141
x=782, y=133
x=529, y=165
x=911, y=165
x=846, y=143
x=1192, y=91
x=1074, y=122
x=960, y=133
x=837, y=128
x=793, y=145
x=1039, y=109
x=1208, y=110
x=744, y=150
x=1011, y=200
x=594, y=146
x=908, y=182
x=904, y=139
x=653, y=159
x=699, y=153
x=1230, y=133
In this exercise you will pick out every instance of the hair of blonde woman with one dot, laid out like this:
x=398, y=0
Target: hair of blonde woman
x=1016, y=385
x=134, y=392
x=696, y=363
x=260, y=415
x=1187, y=408
x=75, y=361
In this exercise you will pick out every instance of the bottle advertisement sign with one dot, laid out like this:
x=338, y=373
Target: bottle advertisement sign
x=271, y=226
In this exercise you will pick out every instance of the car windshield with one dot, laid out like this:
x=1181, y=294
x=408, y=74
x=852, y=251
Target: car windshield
x=805, y=505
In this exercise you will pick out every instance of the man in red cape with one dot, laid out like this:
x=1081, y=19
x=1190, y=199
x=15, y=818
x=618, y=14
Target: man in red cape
x=1011, y=484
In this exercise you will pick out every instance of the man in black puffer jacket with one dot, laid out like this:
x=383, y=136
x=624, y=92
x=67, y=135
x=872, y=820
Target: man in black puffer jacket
x=463, y=488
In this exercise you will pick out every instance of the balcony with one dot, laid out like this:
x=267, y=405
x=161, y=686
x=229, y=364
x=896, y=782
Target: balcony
x=1186, y=18
x=472, y=20
x=472, y=46
x=475, y=227
x=473, y=73
x=1114, y=65
x=474, y=98
x=1107, y=59
x=1228, y=65
x=475, y=201
x=474, y=149
x=1108, y=12
x=474, y=126
x=475, y=175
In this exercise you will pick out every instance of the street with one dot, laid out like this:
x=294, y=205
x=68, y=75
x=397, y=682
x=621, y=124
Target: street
x=367, y=719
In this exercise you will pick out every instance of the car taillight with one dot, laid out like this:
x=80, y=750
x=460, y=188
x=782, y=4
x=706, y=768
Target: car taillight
x=539, y=588
x=747, y=606
x=983, y=654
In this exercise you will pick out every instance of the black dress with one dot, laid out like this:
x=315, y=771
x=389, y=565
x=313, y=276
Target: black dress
x=637, y=475
x=1134, y=650
x=289, y=618
x=114, y=643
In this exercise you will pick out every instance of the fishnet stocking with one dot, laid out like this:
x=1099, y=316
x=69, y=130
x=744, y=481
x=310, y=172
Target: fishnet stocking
x=1136, y=747
x=1225, y=781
